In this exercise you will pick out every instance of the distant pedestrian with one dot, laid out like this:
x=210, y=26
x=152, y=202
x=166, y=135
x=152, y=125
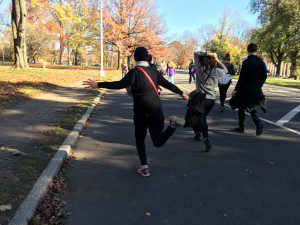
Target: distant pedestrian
x=163, y=67
x=148, y=112
x=124, y=69
x=171, y=70
x=225, y=81
x=192, y=71
x=248, y=91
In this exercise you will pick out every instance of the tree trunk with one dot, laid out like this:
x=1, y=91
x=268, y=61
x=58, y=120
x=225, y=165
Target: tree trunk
x=293, y=57
x=69, y=56
x=278, y=67
x=18, y=15
x=61, y=50
x=119, y=60
x=76, y=57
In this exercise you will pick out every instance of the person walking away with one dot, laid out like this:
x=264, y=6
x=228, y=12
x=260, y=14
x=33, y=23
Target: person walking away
x=248, y=91
x=192, y=71
x=225, y=81
x=208, y=69
x=171, y=72
x=124, y=69
x=148, y=112
x=163, y=67
x=151, y=64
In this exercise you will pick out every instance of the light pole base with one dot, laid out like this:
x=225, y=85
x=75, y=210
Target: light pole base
x=102, y=73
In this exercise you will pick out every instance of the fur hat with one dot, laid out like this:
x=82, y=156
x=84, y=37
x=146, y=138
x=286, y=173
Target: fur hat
x=141, y=54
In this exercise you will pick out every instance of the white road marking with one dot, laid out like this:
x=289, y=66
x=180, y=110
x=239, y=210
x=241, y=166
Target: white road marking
x=265, y=120
x=289, y=116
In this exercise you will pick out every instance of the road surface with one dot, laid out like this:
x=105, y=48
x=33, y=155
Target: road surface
x=245, y=180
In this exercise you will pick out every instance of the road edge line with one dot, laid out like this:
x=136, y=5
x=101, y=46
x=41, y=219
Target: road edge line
x=28, y=207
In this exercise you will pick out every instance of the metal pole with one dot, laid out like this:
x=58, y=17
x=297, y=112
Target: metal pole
x=102, y=73
x=3, y=51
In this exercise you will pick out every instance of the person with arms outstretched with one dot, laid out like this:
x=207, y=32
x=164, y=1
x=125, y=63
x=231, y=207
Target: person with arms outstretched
x=148, y=113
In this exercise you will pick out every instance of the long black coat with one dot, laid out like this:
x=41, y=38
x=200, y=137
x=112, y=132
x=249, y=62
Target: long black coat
x=249, y=86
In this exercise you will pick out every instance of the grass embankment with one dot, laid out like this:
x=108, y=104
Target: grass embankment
x=22, y=84
x=280, y=81
x=17, y=85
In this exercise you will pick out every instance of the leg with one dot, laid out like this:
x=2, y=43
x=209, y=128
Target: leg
x=257, y=121
x=255, y=117
x=158, y=135
x=242, y=117
x=208, y=104
x=140, y=135
x=222, y=90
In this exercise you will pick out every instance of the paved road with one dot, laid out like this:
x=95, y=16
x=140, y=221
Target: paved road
x=246, y=180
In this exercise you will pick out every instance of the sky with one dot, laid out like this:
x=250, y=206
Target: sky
x=188, y=15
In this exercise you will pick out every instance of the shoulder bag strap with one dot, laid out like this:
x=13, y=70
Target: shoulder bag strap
x=149, y=78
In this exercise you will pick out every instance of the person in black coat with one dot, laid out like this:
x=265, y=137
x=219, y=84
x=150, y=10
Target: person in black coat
x=147, y=107
x=248, y=91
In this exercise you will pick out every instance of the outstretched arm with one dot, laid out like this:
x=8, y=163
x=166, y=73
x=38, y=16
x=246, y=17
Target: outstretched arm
x=168, y=85
x=126, y=81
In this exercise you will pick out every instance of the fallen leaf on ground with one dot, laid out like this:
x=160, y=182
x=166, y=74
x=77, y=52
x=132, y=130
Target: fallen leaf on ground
x=148, y=214
x=5, y=207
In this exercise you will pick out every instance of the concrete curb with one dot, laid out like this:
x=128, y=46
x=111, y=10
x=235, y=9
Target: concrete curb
x=28, y=207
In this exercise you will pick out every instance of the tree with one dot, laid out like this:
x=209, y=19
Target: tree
x=273, y=43
x=183, y=50
x=281, y=17
x=19, y=18
x=133, y=23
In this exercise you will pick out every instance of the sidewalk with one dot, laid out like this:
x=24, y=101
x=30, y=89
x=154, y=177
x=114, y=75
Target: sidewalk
x=21, y=126
x=245, y=180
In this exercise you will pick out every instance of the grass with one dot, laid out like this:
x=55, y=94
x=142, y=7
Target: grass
x=29, y=166
x=287, y=82
x=18, y=85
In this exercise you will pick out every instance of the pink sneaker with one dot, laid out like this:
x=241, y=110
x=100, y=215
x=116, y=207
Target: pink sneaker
x=144, y=171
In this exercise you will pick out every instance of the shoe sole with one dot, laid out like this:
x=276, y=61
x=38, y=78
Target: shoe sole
x=177, y=120
x=147, y=175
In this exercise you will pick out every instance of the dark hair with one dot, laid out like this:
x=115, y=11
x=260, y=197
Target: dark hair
x=252, y=48
x=141, y=54
x=227, y=57
x=149, y=58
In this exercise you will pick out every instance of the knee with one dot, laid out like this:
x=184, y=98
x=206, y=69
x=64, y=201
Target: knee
x=157, y=144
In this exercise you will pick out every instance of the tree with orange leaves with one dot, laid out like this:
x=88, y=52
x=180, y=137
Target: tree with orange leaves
x=133, y=23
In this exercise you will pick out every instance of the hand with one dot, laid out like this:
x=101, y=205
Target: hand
x=185, y=96
x=234, y=93
x=90, y=83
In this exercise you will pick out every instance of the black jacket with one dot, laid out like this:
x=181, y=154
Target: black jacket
x=144, y=96
x=249, y=86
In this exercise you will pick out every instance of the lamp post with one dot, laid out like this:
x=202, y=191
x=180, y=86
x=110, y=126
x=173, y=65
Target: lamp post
x=102, y=73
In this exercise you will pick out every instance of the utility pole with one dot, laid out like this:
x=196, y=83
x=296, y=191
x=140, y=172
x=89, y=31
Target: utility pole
x=102, y=73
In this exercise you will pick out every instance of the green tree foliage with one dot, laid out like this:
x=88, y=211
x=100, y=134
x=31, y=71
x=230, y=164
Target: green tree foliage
x=279, y=35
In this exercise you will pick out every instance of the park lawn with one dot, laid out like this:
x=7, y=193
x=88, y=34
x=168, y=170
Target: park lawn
x=280, y=81
x=17, y=85
x=284, y=82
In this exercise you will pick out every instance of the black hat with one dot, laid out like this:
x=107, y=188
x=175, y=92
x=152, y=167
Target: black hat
x=141, y=54
x=149, y=58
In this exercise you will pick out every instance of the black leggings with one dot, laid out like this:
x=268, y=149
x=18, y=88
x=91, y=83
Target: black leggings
x=159, y=137
x=202, y=127
x=223, y=92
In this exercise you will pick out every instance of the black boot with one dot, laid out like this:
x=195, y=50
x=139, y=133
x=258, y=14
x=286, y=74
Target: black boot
x=208, y=145
x=259, y=129
x=239, y=129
